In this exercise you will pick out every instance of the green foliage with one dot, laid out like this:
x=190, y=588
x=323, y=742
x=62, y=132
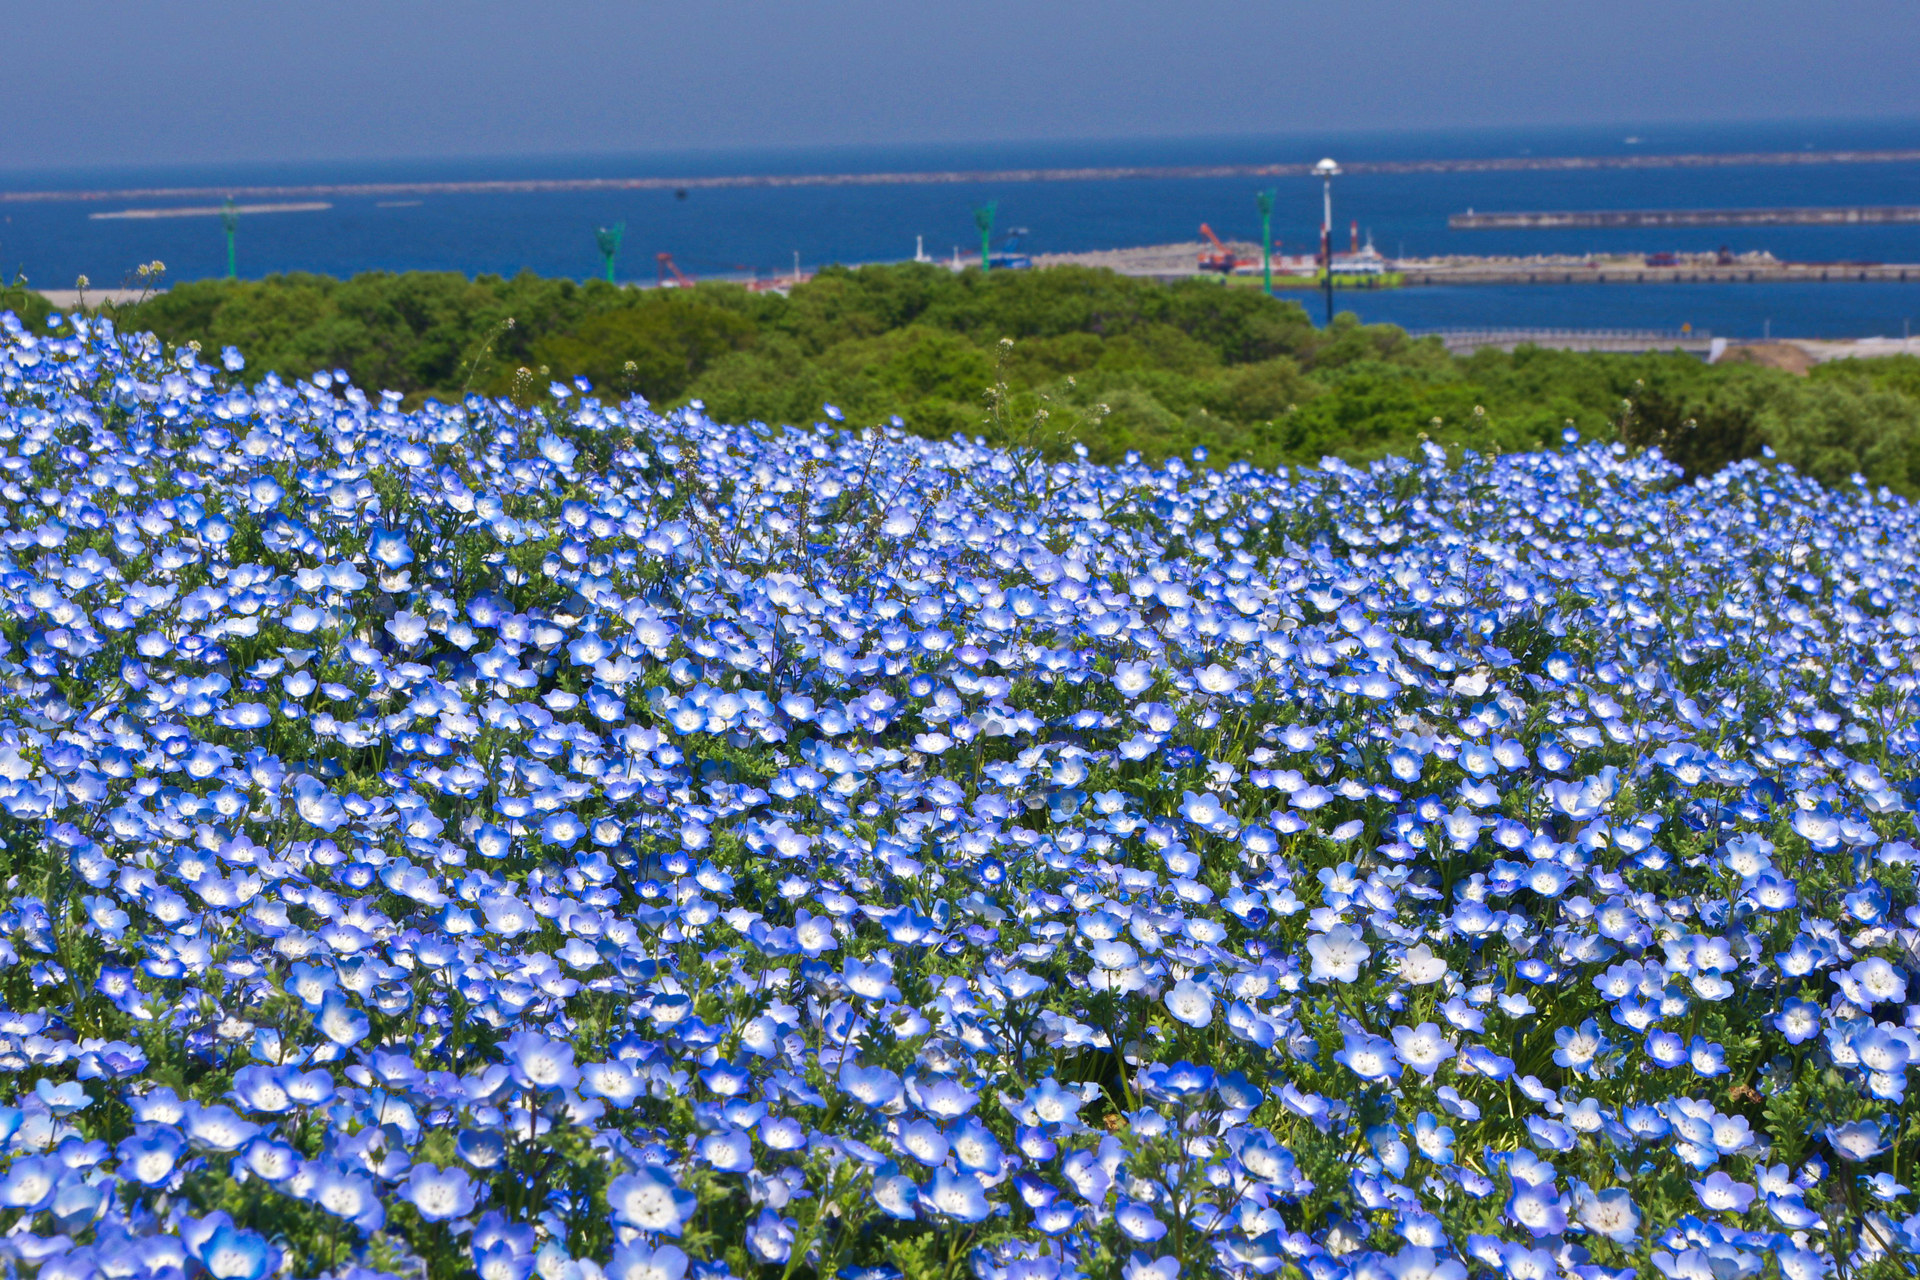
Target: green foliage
x=1143, y=368
x=656, y=346
x=1850, y=418
x=32, y=308
x=1833, y=429
x=1886, y=373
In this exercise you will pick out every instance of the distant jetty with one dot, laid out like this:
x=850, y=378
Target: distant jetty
x=1681, y=271
x=1806, y=216
x=526, y=186
x=215, y=210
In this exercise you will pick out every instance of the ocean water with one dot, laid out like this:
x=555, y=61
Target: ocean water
x=760, y=229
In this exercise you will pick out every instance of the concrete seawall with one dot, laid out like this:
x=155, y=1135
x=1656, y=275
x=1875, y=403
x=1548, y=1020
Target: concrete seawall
x=1170, y=262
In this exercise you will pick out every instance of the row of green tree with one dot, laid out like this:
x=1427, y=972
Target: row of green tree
x=1119, y=364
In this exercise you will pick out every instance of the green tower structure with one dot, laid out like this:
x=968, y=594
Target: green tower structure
x=1264, y=201
x=230, y=219
x=608, y=238
x=983, y=219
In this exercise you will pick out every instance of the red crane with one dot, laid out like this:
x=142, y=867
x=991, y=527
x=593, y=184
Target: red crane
x=666, y=267
x=1221, y=259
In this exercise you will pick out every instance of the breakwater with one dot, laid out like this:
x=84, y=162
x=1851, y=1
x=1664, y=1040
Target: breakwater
x=1109, y=173
x=1737, y=273
x=1567, y=219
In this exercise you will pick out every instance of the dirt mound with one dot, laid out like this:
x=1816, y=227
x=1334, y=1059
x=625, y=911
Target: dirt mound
x=1770, y=355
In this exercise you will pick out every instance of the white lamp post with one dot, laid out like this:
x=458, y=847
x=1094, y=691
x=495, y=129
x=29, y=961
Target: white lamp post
x=1328, y=171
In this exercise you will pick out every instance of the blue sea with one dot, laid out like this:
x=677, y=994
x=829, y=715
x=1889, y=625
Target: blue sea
x=761, y=229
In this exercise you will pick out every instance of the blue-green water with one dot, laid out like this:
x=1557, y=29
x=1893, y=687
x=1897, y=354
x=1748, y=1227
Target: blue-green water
x=761, y=229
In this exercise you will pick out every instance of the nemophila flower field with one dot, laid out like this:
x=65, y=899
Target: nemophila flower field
x=575, y=842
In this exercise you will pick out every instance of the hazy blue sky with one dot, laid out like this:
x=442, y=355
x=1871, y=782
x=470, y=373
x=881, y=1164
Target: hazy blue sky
x=114, y=81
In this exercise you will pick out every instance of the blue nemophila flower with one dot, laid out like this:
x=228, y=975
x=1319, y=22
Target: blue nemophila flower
x=922, y=1141
x=942, y=1097
x=1420, y=967
x=481, y=1150
x=1423, y=1046
x=648, y=1199
x=349, y=1195
x=1610, y=1213
x=1666, y=1049
x=975, y=1147
x=728, y=1152
x=388, y=548
x=1578, y=1047
x=259, y=1088
x=641, y=1262
x=1206, y=812
x=229, y=1253
x=218, y=1128
x=1433, y=1139
x=1057, y=1218
x=1389, y=1148
x=643, y=775
x=958, y=1195
x=537, y=1062
x=317, y=805
x=872, y=1086
x=559, y=452
x=150, y=1155
x=61, y=1100
x=1139, y=1222
x=29, y=1184
x=1368, y=1056
x=1337, y=955
x=274, y=1162
x=1478, y=1059
x=339, y=1021
x=1049, y=1104
x=1873, y=981
x=1537, y=1207
x=490, y=841
x=1706, y=1057
x=1855, y=1140
x=1406, y=761
x=770, y=1237
x=563, y=829
x=1721, y=1194
x=896, y=1194
x=615, y=1082
x=1191, y=1003
x=498, y=1260
x=1886, y=1188
x=438, y=1194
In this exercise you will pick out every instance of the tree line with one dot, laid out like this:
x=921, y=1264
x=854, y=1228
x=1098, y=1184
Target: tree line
x=1118, y=364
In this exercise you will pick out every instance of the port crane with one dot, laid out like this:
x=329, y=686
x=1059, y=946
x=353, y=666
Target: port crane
x=1221, y=259
x=608, y=240
x=664, y=263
